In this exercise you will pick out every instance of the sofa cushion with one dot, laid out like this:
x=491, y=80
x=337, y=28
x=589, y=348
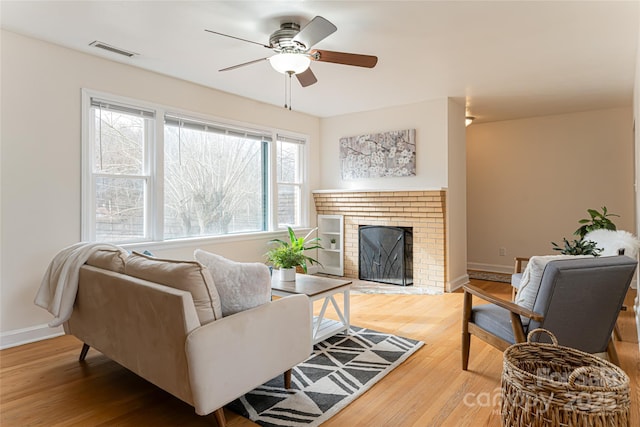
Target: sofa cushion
x=107, y=259
x=188, y=276
x=241, y=285
x=532, y=275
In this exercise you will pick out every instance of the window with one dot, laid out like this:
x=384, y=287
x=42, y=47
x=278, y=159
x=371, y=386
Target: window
x=289, y=180
x=214, y=179
x=154, y=175
x=120, y=137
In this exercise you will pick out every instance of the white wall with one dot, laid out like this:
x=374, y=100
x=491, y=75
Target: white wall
x=529, y=181
x=636, y=115
x=456, y=219
x=40, y=169
x=429, y=119
x=440, y=163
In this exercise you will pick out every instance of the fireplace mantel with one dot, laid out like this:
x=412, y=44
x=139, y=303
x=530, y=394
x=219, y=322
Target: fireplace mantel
x=348, y=190
x=423, y=210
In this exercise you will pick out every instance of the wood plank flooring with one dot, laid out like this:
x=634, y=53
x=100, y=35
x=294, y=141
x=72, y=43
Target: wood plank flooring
x=44, y=384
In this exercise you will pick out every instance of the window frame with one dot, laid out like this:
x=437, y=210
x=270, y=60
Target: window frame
x=302, y=173
x=154, y=160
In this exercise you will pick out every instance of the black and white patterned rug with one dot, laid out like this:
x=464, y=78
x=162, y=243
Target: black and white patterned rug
x=339, y=370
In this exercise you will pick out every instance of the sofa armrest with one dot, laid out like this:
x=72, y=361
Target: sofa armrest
x=232, y=356
x=139, y=324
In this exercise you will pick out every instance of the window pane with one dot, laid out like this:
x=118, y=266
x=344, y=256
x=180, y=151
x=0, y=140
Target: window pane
x=119, y=209
x=118, y=142
x=289, y=158
x=289, y=167
x=288, y=205
x=214, y=183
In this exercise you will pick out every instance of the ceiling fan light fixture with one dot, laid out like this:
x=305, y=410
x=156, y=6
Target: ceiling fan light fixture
x=290, y=62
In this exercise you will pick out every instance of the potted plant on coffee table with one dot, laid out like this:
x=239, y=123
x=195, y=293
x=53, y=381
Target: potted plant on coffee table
x=286, y=256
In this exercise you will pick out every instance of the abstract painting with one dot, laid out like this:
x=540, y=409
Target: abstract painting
x=379, y=155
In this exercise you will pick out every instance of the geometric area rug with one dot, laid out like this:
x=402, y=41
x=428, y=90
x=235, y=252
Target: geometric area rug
x=339, y=370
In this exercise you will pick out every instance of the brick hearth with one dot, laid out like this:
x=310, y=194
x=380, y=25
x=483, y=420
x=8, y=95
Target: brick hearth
x=424, y=211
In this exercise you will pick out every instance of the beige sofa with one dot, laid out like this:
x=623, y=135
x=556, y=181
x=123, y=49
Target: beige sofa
x=157, y=331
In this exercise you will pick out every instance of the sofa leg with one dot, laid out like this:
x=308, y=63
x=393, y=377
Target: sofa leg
x=287, y=379
x=219, y=416
x=83, y=352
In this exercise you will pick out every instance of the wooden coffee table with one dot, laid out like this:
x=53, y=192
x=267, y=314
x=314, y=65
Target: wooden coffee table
x=316, y=288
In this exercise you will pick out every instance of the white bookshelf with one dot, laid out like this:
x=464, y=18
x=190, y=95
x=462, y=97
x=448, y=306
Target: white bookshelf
x=332, y=260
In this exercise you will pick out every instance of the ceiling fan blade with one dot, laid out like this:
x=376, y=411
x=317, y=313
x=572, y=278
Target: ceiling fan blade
x=238, y=38
x=243, y=64
x=306, y=78
x=358, y=60
x=317, y=29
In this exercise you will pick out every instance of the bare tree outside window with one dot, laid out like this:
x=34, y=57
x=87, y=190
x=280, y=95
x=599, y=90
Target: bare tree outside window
x=214, y=183
x=118, y=165
x=185, y=177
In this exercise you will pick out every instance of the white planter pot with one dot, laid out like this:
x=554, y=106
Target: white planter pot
x=333, y=246
x=288, y=274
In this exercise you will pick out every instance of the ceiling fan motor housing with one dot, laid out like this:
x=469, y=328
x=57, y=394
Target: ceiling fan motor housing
x=282, y=39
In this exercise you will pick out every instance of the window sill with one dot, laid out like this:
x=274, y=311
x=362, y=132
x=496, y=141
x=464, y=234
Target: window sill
x=210, y=240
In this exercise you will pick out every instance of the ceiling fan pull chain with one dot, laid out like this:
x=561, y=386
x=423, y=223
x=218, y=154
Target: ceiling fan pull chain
x=290, y=74
x=285, y=91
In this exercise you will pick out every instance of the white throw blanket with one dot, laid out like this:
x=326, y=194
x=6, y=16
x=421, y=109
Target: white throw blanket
x=59, y=285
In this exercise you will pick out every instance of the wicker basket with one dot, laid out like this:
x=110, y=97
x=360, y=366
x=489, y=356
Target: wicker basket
x=550, y=385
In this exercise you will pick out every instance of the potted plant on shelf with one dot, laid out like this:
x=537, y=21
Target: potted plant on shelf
x=333, y=243
x=286, y=256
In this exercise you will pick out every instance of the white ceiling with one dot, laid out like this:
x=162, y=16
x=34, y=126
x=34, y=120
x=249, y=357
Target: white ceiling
x=504, y=60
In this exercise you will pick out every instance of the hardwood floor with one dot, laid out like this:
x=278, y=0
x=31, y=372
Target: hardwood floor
x=44, y=384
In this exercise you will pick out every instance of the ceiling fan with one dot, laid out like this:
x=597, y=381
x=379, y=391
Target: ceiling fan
x=293, y=54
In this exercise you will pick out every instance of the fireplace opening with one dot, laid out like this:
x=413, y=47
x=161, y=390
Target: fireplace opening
x=385, y=254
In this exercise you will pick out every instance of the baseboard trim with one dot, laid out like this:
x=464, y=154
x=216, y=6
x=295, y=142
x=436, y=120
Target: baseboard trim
x=28, y=335
x=457, y=283
x=491, y=268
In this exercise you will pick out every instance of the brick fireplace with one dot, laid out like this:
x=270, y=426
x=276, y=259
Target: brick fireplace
x=424, y=211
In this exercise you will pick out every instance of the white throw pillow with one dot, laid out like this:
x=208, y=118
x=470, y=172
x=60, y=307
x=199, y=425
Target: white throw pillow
x=611, y=241
x=241, y=285
x=532, y=275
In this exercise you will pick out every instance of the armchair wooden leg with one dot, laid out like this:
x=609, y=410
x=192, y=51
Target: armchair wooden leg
x=616, y=332
x=616, y=329
x=466, y=347
x=287, y=379
x=83, y=352
x=518, y=329
x=612, y=353
x=466, y=337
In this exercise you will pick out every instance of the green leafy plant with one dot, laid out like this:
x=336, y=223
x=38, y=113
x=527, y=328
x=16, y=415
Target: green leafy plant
x=577, y=247
x=291, y=254
x=284, y=257
x=598, y=220
x=333, y=241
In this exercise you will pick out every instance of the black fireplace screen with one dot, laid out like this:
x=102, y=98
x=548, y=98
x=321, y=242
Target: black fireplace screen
x=386, y=254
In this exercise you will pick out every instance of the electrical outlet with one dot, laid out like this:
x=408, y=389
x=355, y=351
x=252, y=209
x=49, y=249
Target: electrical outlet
x=502, y=251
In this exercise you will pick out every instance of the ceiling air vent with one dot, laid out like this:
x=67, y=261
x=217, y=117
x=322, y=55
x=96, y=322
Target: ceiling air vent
x=117, y=50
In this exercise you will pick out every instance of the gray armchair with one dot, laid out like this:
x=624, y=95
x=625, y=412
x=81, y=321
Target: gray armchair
x=578, y=300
